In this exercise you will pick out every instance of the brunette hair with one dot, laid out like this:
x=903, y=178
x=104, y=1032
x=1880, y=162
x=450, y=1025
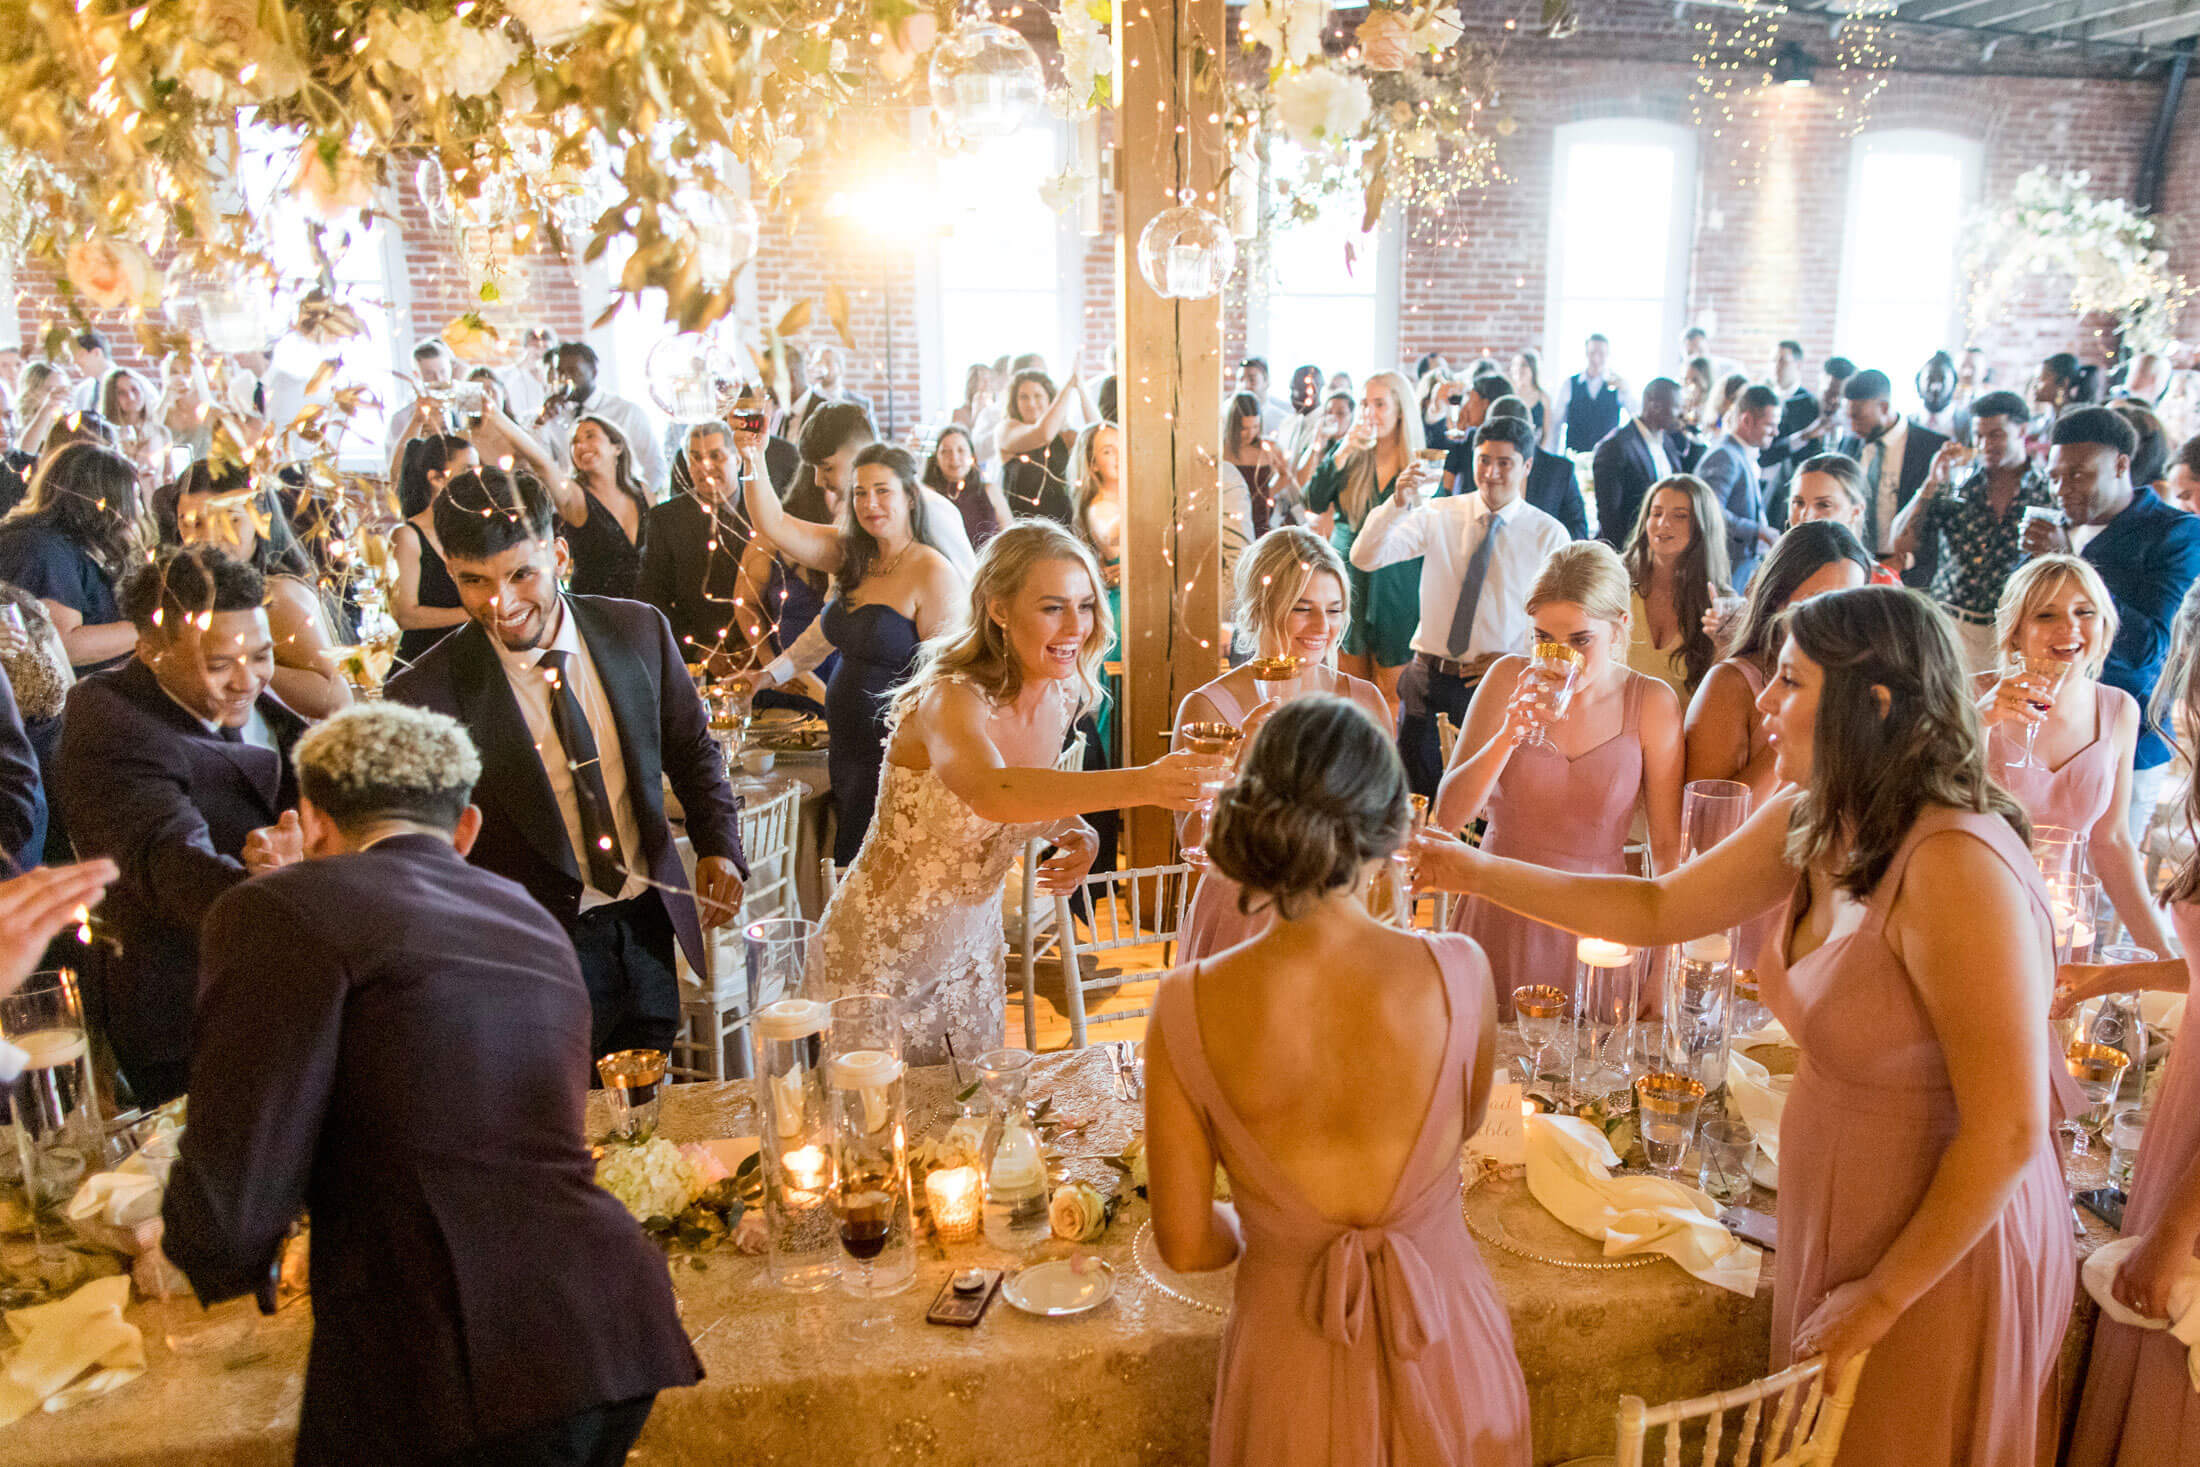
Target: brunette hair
x=2175, y=714
x=1703, y=564
x=623, y=475
x=1015, y=385
x=977, y=651
x=1874, y=768
x=428, y=454
x=859, y=549
x=1801, y=552
x=89, y=493
x=935, y=477
x=1322, y=794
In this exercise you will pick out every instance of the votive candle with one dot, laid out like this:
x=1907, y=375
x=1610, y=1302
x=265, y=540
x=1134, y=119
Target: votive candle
x=952, y=1194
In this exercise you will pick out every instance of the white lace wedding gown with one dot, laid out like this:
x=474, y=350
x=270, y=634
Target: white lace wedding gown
x=918, y=916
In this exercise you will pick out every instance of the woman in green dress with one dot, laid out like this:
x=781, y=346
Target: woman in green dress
x=1096, y=486
x=1360, y=472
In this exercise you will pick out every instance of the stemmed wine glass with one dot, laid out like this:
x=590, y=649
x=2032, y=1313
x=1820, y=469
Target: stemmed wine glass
x=1558, y=667
x=1537, y=1009
x=2098, y=1069
x=2046, y=674
x=1275, y=677
x=1209, y=738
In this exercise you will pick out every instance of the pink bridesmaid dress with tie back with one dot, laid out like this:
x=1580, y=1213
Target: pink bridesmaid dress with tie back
x=2077, y=795
x=1567, y=814
x=2139, y=1407
x=1213, y=921
x=1959, y=1380
x=1378, y=1346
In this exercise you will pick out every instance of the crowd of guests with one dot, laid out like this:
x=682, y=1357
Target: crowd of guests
x=1717, y=564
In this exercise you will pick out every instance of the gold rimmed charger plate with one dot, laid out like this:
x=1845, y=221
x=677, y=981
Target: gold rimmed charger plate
x=1503, y=1214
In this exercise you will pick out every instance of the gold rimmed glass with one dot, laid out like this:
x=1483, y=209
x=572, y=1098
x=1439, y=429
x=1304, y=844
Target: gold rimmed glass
x=1558, y=666
x=1665, y=1115
x=1538, y=1011
x=2098, y=1069
x=1209, y=738
x=1276, y=677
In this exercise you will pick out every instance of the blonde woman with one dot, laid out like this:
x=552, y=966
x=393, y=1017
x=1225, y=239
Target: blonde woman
x=969, y=778
x=1292, y=596
x=1566, y=801
x=2055, y=611
x=1360, y=472
x=1096, y=516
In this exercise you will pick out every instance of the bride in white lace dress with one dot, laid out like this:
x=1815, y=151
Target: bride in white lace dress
x=969, y=778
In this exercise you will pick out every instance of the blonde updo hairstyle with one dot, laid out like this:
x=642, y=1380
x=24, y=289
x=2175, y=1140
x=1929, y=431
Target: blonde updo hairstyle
x=1588, y=573
x=977, y=650
x=1320, y=796
x=2046, y=575
x=1275, y=573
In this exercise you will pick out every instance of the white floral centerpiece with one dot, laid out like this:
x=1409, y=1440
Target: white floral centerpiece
x=2054, y=225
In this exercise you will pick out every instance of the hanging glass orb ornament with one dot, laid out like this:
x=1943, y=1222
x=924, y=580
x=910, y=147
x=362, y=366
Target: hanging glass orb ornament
x=986, y=80
x=233, y=316
x=692, y=377
x=1186, y=253
x=722, y=232
x=432, y=186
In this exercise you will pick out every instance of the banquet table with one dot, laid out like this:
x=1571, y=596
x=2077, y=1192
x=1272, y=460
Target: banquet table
x=796, y=1377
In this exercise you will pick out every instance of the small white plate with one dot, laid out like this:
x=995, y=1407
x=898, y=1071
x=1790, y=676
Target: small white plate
x=1055, y=1288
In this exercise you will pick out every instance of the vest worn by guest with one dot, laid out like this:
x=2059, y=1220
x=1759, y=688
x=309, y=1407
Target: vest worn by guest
x=1589, y=415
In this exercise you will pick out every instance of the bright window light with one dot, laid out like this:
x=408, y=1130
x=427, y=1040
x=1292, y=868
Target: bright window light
x=1901, y=288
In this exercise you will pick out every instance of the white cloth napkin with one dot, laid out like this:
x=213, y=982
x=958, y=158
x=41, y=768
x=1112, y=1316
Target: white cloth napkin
x=2164, y=1010
x=70, y=1350
x=121, y=1208
x=2183, y=1324
x=1761, y=1096
x=1773, y=1032
x=1570, y=1172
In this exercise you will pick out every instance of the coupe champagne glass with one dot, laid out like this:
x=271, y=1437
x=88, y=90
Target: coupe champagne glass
x=1209, y=738
x=1276, y=677
x=1559, y=668
x=2098, y=1069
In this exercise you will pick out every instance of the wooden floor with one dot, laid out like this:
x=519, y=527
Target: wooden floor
x=1138, y=967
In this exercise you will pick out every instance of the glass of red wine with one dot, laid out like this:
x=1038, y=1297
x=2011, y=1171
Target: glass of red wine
x=864, y=1204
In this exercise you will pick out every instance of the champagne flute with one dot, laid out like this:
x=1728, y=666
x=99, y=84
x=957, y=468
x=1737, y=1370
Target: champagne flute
x=2098, y=1069
x=1209, y=738
x=1558, y=666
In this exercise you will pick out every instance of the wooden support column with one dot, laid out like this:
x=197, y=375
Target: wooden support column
x=1169, y=149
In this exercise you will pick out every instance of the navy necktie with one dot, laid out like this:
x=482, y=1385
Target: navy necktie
x=599, y=830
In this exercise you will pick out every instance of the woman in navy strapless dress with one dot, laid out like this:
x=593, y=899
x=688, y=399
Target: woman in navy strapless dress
x=891, y=590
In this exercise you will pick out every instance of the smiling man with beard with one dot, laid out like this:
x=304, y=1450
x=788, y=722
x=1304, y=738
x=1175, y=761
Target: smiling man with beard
x=582, y=709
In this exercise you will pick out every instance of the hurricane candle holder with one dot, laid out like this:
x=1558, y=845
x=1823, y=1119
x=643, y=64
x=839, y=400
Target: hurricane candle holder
x=795, y=1133
x=633, y=1086
x=1606, y=990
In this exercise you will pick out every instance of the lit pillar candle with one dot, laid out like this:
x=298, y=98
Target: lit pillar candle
x=952, y=1194
x=805, y=1167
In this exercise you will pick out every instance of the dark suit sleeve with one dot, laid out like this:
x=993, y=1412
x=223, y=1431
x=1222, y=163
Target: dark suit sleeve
x=693, y=761
x=2168, y=569
x=263, y=1060
x=1730, y=487
x=22, y=795
x=1604, y=472
x=1571, y=512
x=127, y=797
x=657, y=582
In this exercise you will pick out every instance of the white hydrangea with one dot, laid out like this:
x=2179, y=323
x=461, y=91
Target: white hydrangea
x=1088, y=53
x=1290, y=29
x=447, y=56
x=552, y=21
x=1322, y=105
x=653, y=1179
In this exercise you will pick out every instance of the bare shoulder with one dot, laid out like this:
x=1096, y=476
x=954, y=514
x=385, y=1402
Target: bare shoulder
x=1661, y=706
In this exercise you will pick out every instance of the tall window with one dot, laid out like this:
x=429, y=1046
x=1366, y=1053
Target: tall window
x=1901, y=282
x=359, y=254
x=1000, y=260
x=1322, y=306
x=1621, y=217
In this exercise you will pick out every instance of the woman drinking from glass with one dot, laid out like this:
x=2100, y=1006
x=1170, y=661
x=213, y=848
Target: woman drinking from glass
x=1334, y=1065
x=1291, y=593
x=1922, y=1209
x=1558, y=750
x=2060, y=739
x=1358, y=473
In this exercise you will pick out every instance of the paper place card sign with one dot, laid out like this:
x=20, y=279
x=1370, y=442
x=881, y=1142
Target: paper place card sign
x=1503, y=1136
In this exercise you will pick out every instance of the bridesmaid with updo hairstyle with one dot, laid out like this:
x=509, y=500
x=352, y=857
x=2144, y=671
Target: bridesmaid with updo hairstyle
x=1334, y=1065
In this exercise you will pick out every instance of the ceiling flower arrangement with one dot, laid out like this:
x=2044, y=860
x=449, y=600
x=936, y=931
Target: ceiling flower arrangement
x=575, y=123
x=2053, y=225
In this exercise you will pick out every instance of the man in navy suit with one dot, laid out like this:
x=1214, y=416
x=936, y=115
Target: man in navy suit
x=1897, y=456
x=1730, y=468
x=1637, y=454
x=396, y=1041
x=174, y=765
x=582, y=710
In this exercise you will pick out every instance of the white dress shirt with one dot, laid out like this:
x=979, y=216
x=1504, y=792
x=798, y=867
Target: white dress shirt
x=640, y=431
x=1659, y=463
x=531, y=687
x=255, y=724
x=1887, y=493
x=1445, y=532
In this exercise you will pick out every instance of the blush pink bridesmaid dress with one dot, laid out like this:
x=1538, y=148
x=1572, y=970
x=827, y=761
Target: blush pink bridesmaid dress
x=1959, y=1380
x=2077, y=795
x=1567, y=814
x=2139, y=1407
x=1377, y=1346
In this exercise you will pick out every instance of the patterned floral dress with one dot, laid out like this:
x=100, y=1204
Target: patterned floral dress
x=919, y=917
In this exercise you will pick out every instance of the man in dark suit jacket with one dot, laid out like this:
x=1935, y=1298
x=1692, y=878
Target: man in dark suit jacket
x=1625, y=466
x=691, y=554
x=396, y=1042
x=582, y=710
x=1805, y=423
x=175, y=766
x=1730, y=468
x=1897, y=455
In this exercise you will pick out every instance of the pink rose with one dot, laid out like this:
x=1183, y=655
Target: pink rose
x=330, y=178
x=906, y=40
x=111, y=273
